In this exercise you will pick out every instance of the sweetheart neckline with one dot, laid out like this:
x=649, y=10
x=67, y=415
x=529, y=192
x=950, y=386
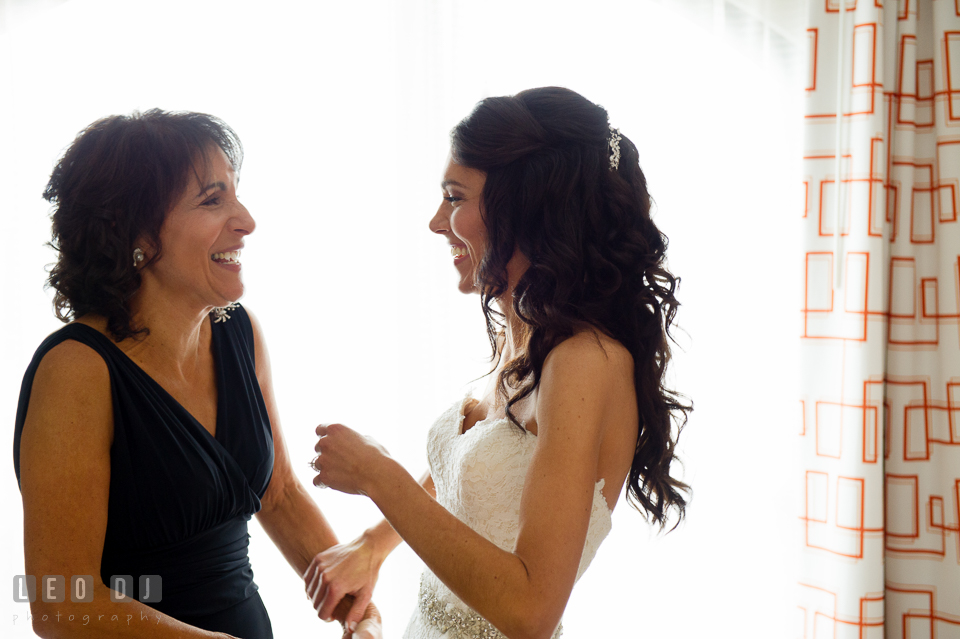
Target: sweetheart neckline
x=460, y=433
x=486, y=420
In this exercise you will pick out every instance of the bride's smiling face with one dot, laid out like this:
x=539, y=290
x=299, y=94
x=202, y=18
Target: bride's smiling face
x=459, y=220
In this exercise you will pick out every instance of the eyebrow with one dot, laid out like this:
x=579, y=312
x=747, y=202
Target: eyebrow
x=447, y=183
x=212, y=185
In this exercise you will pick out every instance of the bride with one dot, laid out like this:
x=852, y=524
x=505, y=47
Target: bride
x=547, y=214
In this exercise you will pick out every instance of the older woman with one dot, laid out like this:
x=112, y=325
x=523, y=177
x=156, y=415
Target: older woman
x=547, y=215
x=147, y=433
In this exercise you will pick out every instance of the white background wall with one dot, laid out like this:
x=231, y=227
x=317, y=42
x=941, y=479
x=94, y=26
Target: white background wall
x=344, y=110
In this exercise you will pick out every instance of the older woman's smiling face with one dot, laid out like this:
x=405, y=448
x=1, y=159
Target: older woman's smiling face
x=201, y=238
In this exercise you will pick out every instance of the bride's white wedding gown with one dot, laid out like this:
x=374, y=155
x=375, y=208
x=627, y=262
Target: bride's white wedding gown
x=479, y=476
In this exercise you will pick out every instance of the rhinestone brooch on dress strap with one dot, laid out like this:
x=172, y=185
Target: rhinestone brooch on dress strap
x=220, y=312
x=460, y=623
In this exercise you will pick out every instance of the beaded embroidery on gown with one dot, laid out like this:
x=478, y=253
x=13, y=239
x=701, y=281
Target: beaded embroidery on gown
x=479, y=477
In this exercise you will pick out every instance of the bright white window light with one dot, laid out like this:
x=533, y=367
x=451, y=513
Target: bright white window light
x=344, y=109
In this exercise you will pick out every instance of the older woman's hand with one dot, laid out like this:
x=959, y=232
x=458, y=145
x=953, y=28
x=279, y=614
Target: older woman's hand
x=370, y=627
x=347, y=460
x=350, y=568
x=366, y=625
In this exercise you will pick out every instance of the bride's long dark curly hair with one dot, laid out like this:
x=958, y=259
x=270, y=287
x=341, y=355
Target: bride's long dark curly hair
x=596, y=260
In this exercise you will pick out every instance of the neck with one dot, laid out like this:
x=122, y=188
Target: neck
x=177, y=330
x=513, y=328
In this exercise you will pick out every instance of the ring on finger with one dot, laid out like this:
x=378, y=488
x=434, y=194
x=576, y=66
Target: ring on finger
x=316, y=467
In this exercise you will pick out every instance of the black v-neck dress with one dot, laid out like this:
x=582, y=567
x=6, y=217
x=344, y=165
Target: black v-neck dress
x=180, y=498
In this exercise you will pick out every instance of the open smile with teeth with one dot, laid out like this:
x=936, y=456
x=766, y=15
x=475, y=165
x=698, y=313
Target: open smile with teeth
x=230, y=257
x=458, y=251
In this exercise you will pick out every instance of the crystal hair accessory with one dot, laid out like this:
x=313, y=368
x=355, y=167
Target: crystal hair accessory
x=614, y=142
x=220, y=313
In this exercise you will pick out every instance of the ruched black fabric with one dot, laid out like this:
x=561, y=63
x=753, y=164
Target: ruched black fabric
x=180, y=498
x=248, y=619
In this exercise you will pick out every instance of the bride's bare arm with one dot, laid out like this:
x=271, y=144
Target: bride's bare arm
x=353, y=567
x=524, y=592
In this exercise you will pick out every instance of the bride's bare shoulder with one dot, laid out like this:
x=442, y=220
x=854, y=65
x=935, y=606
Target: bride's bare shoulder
x=591, y=349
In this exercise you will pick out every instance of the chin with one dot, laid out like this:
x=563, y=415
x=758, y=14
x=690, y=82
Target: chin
x=467, y=287
x=229, y=297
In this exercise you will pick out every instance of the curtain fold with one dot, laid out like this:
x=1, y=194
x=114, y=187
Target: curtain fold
x=769, y=32
x=880, y=392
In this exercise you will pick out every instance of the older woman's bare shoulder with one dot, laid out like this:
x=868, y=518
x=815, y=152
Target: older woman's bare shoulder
x=72, y=370
x=71, y=363
x=254, y=322
x=261, y=357
x=70, y=400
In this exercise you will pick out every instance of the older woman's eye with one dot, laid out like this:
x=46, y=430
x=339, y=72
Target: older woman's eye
x=211, y=202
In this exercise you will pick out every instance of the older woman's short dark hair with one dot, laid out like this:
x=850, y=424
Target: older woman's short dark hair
x=112, y=188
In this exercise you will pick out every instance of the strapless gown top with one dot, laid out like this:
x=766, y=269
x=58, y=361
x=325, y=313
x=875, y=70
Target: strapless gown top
x=479, y=477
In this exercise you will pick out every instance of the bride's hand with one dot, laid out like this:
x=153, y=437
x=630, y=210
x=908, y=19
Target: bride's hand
x=350, y=568
x=371, y=627
x=346, y=460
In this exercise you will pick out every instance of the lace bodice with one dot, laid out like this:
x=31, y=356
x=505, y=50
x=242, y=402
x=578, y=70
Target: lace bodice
x=479, y=477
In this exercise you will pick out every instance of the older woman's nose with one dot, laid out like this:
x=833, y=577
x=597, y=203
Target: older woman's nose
x=245, y=223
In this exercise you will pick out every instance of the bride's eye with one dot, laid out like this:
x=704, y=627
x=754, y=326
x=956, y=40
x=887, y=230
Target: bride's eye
x=452, y=199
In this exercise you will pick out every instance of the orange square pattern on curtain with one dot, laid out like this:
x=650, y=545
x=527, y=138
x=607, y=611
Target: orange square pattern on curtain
x=880, y=390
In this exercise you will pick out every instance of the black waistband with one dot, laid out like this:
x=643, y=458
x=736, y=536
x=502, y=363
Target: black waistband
x=206, y=573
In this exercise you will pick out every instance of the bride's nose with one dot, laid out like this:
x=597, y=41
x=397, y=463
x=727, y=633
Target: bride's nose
x=440, y=222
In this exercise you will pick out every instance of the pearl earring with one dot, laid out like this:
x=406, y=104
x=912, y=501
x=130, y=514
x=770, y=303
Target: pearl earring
x=137, y=257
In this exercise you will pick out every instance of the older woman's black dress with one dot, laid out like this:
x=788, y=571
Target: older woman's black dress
x=180, y=498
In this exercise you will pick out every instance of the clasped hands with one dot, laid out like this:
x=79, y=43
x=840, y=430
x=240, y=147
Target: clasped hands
x=340, y=580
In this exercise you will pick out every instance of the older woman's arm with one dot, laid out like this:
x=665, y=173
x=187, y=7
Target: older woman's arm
x=288, y=514
x=65, y=484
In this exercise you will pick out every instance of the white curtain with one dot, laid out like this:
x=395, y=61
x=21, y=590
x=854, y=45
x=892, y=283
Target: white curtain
x=768, y=31
x=344, y=110
x=881, y=363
